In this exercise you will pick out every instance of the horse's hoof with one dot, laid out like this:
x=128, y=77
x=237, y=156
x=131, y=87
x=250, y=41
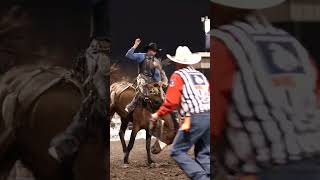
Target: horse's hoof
x=150, y=162
x=125, y=166
x=154, y=165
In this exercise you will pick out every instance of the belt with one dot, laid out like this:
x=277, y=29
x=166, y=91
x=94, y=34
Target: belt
x=205, y=112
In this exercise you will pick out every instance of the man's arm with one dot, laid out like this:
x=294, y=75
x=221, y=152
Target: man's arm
x=138, y=57
x=222, y=82
x=317, y=90
x=173, y=95
x=157, y=75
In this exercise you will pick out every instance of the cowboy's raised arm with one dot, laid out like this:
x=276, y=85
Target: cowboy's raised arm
x=138, y=57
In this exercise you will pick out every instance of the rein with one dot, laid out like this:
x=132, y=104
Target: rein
x=90, y=98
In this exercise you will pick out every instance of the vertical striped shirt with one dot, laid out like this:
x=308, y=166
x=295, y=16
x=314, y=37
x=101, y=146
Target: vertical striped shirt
x=189, y=91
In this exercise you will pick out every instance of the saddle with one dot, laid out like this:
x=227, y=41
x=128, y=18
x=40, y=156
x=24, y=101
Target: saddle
x=21, y=86
x=117, y=88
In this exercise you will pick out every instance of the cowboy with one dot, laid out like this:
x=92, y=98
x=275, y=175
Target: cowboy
x=188, y=91
x=265, y=120
x=149, y=70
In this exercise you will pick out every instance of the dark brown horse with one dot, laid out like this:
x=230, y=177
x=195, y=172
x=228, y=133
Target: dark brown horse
x=121, y=94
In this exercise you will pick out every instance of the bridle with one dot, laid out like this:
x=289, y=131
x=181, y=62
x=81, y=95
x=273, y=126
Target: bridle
x=149, y=101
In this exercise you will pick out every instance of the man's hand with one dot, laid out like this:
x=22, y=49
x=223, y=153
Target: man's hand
x=154, y=117
x=164, y=84
x=153, y=121
x=137, y=43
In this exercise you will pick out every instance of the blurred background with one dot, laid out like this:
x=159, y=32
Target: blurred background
x=301, y=18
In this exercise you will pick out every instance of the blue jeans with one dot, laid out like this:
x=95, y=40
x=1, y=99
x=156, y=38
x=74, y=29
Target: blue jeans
x=199, y=135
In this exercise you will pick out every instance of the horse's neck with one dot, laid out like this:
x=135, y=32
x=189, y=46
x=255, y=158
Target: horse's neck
x=171, y=121
x=146, y=105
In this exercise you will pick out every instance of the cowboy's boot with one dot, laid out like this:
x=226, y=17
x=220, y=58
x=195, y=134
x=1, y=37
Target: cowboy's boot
x=132, y=105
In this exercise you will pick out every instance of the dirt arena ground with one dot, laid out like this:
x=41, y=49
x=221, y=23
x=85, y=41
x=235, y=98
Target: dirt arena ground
x=164, y=168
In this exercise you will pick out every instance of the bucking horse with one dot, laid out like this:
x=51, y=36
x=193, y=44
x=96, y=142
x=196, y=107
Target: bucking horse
x=121, y=94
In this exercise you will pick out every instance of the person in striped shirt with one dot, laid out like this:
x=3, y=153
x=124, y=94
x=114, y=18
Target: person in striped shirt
x=188, y=91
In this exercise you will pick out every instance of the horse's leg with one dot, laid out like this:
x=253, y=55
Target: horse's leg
x=148, y=143
x=131, y=143
x=124, y=125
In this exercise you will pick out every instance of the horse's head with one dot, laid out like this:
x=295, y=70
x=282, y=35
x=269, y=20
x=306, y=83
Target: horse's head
x=155, y=96
x=165, y=132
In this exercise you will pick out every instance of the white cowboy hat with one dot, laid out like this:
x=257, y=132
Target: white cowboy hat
x=249, y=4
x=184, y=56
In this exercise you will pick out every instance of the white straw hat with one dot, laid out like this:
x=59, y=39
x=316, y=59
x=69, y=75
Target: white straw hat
x=184, y=56
x=249, y=4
